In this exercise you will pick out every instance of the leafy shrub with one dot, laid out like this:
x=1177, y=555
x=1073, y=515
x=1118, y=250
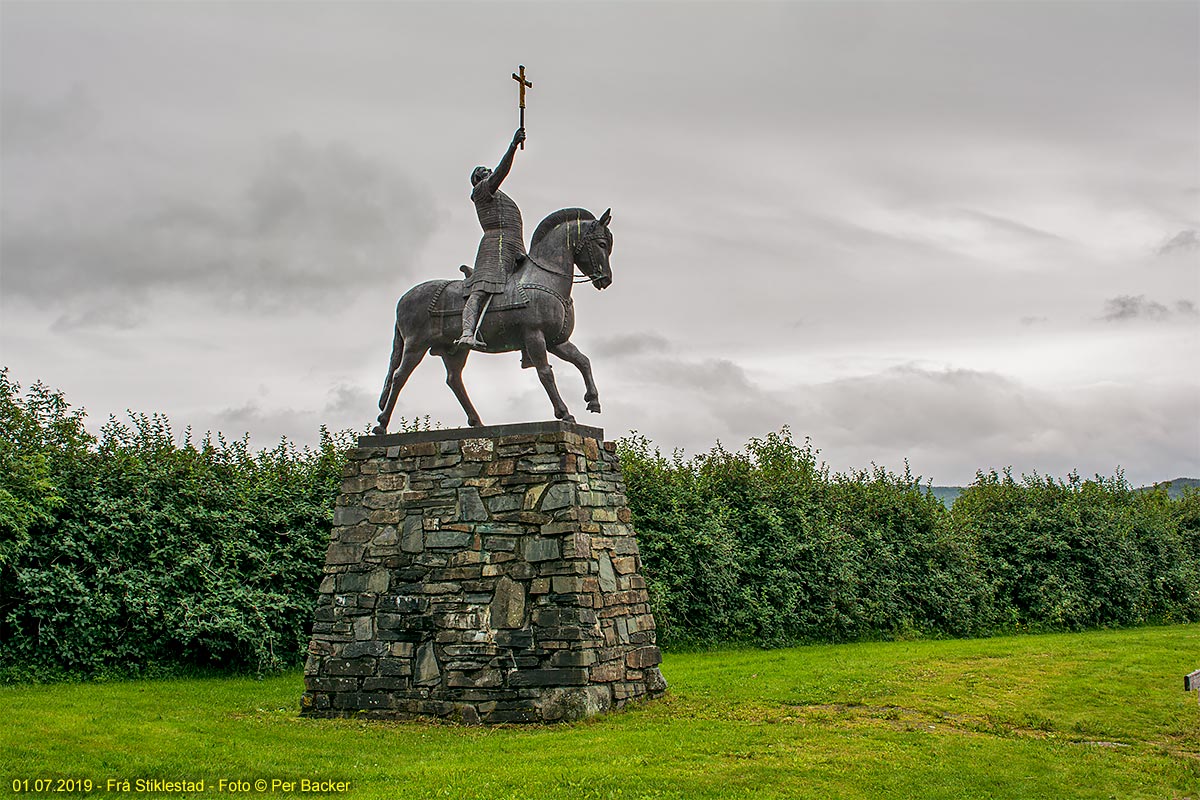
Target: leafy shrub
x=765, y=546
x=133, y=552
x=40, y=436
x=1076, y=554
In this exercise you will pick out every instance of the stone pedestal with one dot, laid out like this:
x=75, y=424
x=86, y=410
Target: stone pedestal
x=482, y=575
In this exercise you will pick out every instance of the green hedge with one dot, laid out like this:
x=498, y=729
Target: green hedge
x=765, y=546
x=1080, y=554
x=131, y=552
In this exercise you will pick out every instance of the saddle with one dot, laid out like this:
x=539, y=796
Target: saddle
x=447, y=305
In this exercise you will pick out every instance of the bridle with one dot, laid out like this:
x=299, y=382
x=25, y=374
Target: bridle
x=601, y=233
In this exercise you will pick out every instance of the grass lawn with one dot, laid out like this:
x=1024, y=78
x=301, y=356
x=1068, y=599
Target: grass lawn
x=1098, y=714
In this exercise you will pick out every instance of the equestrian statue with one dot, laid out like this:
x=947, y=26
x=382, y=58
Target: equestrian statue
x=513, y=299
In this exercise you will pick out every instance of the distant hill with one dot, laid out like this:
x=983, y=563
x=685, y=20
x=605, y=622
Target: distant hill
x=1175, y=489
x=947, y=494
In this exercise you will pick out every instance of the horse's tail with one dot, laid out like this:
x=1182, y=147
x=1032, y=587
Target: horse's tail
x=397, y=354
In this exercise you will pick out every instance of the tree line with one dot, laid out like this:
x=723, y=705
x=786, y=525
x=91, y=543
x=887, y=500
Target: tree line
x=138, y=551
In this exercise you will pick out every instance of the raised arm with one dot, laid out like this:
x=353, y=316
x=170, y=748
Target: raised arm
x=505, y=164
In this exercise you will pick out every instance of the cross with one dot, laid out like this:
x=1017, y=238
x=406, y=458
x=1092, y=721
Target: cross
x=523, y=84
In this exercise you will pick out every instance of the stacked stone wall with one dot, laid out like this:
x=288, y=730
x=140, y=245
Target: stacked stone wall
x=483, y=575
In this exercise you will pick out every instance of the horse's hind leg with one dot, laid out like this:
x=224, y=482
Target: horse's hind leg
x=570, y=353
x=408, y=362
x=455, y=361
x=393, y=363
x=535, y=349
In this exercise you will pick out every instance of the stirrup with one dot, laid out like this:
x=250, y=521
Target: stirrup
x=471, y=341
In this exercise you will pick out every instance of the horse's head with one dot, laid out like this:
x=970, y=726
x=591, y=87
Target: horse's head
x=593, y=249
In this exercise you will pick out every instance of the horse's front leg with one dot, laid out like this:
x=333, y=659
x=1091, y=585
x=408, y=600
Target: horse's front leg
x=570, y=353
x=535, y=349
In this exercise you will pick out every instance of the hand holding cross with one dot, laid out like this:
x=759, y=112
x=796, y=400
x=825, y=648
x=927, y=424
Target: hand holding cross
x=523, y=84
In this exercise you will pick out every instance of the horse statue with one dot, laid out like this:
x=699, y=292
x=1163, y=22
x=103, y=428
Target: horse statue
x=534, y=314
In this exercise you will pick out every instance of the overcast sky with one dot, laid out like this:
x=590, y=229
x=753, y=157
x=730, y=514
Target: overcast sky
x=965, y=234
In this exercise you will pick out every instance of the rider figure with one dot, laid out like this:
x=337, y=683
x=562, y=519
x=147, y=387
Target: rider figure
x=502, y=245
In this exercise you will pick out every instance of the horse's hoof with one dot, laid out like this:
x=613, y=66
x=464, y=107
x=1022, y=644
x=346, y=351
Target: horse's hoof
x=379, y=430
x=473, y=423
x=594, y=406
x=567, y=418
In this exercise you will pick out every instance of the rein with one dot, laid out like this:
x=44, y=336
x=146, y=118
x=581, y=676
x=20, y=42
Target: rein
x=582, y=278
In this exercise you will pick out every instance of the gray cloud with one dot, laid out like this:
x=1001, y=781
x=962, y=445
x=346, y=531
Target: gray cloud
x=715, y=396
x=1186, y=241
x=349, y=402
x=1128, y=307
x=103, y=310
x=336, y=194
x=345, y=408
x=1009, y=226
x=952, y=422
x=309, y=224
x=947, y=423
x=728, y=399
x=910, y=407
x=267, y=425
x=626, y=345
x=30, y=124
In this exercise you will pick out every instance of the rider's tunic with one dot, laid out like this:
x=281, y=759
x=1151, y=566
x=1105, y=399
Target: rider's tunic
x=503, y=240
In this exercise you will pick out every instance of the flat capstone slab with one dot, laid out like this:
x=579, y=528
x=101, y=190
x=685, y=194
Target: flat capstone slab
x=482, y=432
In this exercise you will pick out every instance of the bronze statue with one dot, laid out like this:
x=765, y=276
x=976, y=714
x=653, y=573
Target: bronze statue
x=502, y=245
x=529, y=308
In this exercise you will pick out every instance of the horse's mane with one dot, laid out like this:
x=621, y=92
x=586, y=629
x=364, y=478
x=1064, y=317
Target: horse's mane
x=557, y=218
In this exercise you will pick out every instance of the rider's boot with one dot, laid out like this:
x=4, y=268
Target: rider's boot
x=470, y=318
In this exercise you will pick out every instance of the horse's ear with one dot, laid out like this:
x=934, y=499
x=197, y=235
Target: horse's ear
x=605, y=217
